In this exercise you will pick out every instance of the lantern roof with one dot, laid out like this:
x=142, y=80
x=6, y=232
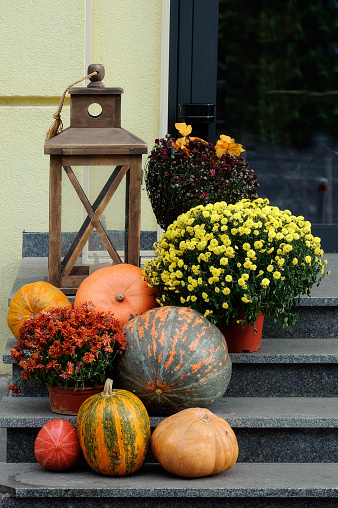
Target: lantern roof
x=91, y=141
x=91, y=134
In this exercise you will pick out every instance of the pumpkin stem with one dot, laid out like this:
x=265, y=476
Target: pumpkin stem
x=108, y=389
x=205, y=418
x=158, y=391
x=119, y=297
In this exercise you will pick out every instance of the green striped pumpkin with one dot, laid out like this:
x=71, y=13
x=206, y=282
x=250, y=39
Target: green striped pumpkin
x=114, y=431
x=175, y=359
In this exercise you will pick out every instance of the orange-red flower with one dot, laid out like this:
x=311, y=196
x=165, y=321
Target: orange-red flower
x=88, y=358
x=55, y=350
x=60, y=346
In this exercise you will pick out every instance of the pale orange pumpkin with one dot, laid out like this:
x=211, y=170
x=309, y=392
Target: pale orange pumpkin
x=119, y=289
x=31, y=299
x=195, y=443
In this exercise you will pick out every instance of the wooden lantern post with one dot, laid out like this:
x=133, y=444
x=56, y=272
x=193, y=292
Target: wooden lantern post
x=93, y=141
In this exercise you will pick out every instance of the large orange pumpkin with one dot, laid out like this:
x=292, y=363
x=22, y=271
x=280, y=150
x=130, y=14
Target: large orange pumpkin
x=175, y=359
x=194, y=442
x=30, y=300
x=119, y=289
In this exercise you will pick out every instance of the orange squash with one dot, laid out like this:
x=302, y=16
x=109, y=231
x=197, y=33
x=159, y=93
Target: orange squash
x=195, y=443
x=30, y=300
x=114, y=431
x=119, y=289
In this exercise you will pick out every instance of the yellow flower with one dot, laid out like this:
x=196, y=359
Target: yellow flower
x=265, y=283
x=276, y=275
x=287, y=248
x=251, y=254
x=165, y=277
x=295, y=261
x=227, y=144
x=246, y=246
x=269, y=268
x=308, y=260
x=226, y=291
x=183, y=128
x=228, y=278
x=241, y=282
x=225, y=305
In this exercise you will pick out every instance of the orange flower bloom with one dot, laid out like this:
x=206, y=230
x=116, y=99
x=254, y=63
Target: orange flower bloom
x=88, y=357
x=55, y=350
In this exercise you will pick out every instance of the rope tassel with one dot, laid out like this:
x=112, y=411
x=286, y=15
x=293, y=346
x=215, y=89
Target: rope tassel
x=57, y=125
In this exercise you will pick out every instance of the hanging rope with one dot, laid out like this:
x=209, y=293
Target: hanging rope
x=57, y=125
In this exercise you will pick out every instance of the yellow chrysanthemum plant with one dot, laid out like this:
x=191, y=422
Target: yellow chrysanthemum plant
x=232, y=261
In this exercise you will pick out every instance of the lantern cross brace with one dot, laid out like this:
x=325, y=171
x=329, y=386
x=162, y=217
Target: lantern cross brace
x=92, y=221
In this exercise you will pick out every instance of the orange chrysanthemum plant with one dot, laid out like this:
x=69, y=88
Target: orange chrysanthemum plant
x=68, y=347
x=188, y=171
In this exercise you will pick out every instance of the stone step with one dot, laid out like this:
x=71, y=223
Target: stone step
x=268, y=429
x=314, y=321
x=281, y=368
x=246, y=485
x=286, y=368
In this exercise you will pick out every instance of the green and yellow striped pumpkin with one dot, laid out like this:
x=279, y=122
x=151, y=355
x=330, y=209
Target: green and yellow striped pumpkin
x=114, y=431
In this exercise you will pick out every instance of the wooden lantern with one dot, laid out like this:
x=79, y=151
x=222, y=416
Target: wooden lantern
x=90, y=141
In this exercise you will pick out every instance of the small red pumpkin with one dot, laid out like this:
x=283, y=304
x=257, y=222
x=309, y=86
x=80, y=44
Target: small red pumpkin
x=31, y=299
x=57, y=446
x=119, y=289
x=194, y=443
x=175, y=358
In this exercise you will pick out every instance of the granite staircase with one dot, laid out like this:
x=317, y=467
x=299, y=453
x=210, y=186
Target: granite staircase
x=282, y=403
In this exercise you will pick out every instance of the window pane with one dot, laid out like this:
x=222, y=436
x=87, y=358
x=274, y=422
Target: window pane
x=278, y=96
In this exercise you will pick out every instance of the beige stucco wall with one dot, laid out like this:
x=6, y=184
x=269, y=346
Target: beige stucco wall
x=43, y=50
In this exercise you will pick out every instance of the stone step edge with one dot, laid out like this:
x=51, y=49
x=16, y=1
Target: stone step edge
x=255, y=480
x=239, y=412
x=283, y=350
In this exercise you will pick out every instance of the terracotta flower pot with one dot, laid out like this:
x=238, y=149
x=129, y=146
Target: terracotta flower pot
x=67, y=401
x=240, y=339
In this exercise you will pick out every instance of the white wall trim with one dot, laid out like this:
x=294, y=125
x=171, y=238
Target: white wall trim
x=164, y=84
